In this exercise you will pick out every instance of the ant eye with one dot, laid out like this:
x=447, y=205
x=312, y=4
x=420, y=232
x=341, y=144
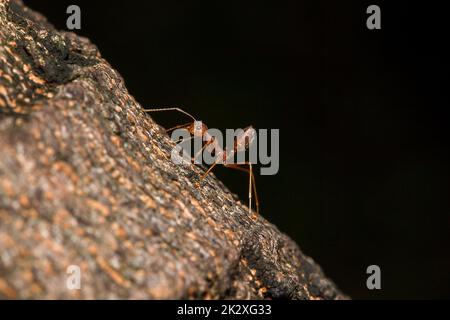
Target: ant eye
x=198, y=125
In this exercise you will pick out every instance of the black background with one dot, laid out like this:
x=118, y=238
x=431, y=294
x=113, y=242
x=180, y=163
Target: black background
x=363, y=117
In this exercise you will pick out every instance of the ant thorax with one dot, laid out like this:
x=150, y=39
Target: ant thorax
x=206, y=145
x=244, y=141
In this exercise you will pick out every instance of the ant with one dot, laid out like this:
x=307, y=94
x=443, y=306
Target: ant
x=198, y=129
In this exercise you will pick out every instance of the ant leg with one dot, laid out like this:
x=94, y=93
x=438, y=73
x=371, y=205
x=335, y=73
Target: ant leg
x=198, y=153
x=207, y=143
x=181, y=140
x=208, y=171
x=179, y=127
x=250, y=190
x=252, y=179
x=216, y=162
x=184, y=140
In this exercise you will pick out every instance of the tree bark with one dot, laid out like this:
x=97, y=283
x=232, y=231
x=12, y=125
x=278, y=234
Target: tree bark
x=86, y=179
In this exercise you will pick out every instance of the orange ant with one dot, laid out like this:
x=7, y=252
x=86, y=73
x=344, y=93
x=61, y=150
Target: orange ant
x=241, y=143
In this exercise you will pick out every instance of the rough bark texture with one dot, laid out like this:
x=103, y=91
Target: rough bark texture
x=86, y=179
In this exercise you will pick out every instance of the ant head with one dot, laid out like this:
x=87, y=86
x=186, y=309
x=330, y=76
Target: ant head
x=197, y=128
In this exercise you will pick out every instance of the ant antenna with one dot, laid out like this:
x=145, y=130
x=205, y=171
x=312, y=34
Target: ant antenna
x=171, y=109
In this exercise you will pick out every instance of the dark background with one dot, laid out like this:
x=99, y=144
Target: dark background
x=363, y=117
